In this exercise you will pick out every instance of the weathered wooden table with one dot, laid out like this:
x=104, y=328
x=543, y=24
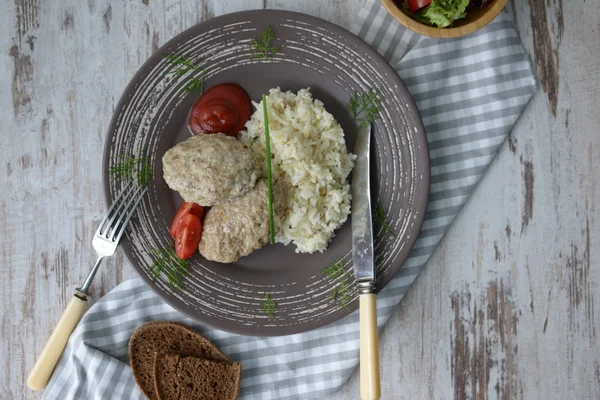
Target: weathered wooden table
x=506, y=307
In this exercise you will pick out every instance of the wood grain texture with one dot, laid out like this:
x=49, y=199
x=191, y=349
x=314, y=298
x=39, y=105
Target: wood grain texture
x=504, y=310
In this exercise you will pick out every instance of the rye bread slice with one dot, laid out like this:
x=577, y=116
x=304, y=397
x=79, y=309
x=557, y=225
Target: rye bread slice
x=192, y=378
x=164, y=337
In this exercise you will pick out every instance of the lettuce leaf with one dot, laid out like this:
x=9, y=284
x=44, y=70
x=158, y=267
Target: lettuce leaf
x=442, y=13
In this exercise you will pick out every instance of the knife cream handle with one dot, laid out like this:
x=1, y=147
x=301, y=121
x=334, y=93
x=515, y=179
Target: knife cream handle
x=43, y=368
x=369, y=348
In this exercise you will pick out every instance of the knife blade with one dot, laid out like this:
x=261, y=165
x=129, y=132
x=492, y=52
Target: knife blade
x=362, y=227
x=364, y=267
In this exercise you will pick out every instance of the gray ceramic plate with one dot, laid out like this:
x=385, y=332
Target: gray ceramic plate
x=151, y=117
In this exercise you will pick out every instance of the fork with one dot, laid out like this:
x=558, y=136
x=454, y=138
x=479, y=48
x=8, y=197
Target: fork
x=105, y=242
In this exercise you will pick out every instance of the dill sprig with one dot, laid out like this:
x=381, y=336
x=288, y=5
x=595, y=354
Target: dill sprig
x=341, y=293
x=145, y=173
x=165, y=260
x=365, y=106
x=269, y=306
x=128, y=166
x=183, y=65
x=334, y=270
x=262, y=45
x=380, y=222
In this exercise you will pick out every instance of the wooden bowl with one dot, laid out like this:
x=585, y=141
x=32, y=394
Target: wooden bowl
x=476, y=18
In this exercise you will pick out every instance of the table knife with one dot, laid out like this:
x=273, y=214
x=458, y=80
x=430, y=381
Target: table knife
x=364, y=267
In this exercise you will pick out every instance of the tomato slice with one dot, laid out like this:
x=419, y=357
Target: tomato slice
x=185, y=208
x=414, y=5
x=189, y=233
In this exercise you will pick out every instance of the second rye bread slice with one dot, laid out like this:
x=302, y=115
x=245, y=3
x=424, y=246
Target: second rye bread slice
x=191, y=378
x=163, y=337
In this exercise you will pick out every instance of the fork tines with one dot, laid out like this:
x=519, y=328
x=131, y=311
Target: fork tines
x=118, y=215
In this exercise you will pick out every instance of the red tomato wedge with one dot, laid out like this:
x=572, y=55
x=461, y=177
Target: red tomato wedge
x=185, y=208
x=189, y=233
x=414, y=5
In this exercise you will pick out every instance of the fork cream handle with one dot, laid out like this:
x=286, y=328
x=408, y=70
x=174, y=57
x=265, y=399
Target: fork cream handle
x=369, y=348
x=43, y=368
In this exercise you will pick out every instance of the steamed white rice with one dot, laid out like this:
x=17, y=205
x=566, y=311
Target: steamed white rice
x=309, y=155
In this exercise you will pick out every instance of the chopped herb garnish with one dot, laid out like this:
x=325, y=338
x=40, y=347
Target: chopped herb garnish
x=269, y=175
x=262, y=45
x=183, y=65
x=365, y=106
x=145, y=173
x=334, y=270
x=269, y=306
x=165, y=260
x=380, y=222
x=341, y=292
x=128, y=166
